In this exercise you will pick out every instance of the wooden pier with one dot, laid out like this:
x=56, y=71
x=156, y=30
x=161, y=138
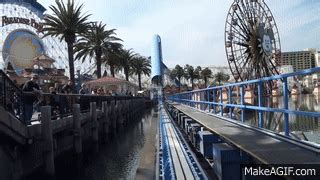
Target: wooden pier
x=25, y=149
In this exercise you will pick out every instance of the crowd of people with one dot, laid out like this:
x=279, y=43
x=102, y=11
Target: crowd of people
x=33, y=97
x=58, y=98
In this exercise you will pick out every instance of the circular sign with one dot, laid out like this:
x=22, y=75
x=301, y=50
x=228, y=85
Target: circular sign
x=20, y=48
x=267, y=45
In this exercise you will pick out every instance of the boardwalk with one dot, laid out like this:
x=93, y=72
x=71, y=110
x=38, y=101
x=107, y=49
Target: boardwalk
x=264, y=147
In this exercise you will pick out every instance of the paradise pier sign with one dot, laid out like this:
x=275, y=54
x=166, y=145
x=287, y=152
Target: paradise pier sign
x=13, y=20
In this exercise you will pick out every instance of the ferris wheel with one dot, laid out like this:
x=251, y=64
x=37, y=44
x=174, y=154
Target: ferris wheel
x=252, y=40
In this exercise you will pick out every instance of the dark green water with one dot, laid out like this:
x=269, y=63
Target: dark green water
x=117, y=159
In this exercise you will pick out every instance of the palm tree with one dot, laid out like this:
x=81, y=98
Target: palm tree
x=173, y=75
x=112, y=60
x=197, y=73
x=140, y=65
x=126, y=56
x=66, y=22
x=206, y=73
x=221, y=77
x=191, y=74
x=178, y=73
x=96, y=42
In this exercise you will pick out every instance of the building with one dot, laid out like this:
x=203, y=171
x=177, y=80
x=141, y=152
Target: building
x=216, y=69
x=21, y=38
x=284, y=69
x=111, y=85
x=300, y=60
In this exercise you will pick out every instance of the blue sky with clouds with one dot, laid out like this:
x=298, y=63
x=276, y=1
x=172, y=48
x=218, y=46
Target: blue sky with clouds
x=193, y=31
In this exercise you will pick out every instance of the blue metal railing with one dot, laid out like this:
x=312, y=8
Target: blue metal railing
x=212, y=98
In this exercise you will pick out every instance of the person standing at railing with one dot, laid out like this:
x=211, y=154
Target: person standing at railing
x=57, y=87
x=84, y=101
x=84, y=89
x=54, y=102
x=100, y=92
x=32, y=89
x=67, y=89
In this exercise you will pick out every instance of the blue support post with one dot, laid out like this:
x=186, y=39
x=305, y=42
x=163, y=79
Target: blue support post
x=214, y=100
x=187, y=99
x=242, y=102
x=208, y=99
x=199, y=99
x=286, y=106
x=260, y=93
x=200, y=104
x=221, y=102
x=193, y=99
x=230, y=101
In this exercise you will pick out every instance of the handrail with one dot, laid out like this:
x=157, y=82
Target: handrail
x=211, y=98
x=11, y=98
x=276, y=77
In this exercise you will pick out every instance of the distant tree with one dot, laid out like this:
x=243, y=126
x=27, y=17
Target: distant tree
x=206, y=73
x=191, y=74
x=197, y=73
x=113, y=63
x=221, y=77
x=96, y=42
x=178, y=73
x=67, y=22
x=173, y=74
x=140, y=65
x=126, y=56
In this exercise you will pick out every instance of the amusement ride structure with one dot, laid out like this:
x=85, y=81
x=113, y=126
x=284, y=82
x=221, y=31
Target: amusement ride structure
x=252, y=41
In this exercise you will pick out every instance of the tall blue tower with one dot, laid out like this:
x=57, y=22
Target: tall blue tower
x=156, y=61
x=156, y=69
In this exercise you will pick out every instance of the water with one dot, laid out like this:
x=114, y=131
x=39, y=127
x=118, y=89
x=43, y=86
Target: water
x=118, y=159
x=301, y=127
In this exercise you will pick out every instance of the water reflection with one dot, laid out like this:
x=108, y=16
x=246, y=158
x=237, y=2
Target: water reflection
x=118, y=159
x=301, y=127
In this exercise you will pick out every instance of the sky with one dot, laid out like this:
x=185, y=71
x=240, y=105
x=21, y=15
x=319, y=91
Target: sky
x=192, y=32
